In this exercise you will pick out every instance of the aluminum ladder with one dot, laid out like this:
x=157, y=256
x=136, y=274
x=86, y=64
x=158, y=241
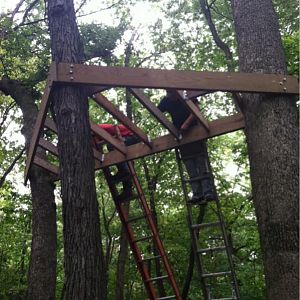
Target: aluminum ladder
x=210, y=244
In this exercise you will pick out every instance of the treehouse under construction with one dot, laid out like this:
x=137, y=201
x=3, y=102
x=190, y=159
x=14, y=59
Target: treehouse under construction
x=184, y=85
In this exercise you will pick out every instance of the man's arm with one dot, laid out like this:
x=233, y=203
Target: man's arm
x=187, y=123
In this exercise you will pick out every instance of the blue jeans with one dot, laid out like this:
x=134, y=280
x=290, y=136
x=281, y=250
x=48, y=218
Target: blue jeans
x=122, y=167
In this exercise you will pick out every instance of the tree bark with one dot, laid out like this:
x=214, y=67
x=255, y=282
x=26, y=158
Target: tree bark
x=42, y=265
x=84, y=261
x=272, y=137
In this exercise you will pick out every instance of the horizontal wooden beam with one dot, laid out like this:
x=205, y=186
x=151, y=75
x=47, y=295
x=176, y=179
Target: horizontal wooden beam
x=103, y=134
x=46, y=165
x=50, y=124
x=48, y=146
x=110, y=108
x=155, y=112
x=167, y=142
x=175, y=79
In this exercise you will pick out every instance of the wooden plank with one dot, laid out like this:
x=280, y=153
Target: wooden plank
x=109, y=107
x=39, y=122
x=193, y=109
x=46, y=165
x=218, y=127
x=174, y=79
x=155, y=112
x=50, y=124
x=194, y=94
x=103, y=134
x=48, y=146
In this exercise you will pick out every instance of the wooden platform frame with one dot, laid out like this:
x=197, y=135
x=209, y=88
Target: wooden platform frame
x=96, y=79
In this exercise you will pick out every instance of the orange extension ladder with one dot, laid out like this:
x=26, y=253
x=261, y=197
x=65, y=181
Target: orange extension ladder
x=210, y=244
x=137, y=243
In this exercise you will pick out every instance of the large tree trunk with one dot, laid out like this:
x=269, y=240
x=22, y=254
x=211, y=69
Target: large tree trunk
x=42, y=265
x=272, y=137
x=84, y=262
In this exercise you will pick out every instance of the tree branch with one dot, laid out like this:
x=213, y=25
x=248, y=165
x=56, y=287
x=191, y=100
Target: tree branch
x=9, y=169
x=223, y=46
x=16, y=10
x=5, y=113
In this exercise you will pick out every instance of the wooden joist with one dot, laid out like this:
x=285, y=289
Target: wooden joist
x=163, y=143
x=46, y=165
x=174, y=79
x=193, y=94
x=50, y=124
x=48, y=146
x=109, y=107
x=155, y=112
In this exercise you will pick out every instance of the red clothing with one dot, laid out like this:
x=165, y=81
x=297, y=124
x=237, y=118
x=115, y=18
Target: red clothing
x=111, y=129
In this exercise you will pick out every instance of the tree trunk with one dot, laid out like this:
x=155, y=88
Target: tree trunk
x=42, y=269
x=42, y=265
x=272, y=137
x=84, y=261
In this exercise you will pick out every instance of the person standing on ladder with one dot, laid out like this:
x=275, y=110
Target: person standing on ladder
x=129, y=138
x=194, y=155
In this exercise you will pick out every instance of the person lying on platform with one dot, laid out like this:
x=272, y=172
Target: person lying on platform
x=194, y=155
x=123, y=174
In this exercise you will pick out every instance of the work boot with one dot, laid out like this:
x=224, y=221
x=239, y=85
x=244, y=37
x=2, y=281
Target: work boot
x=197, y=199
x=209, y=196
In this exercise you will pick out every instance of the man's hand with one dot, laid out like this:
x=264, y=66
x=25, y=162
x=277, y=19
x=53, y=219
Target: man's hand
x=184, y=126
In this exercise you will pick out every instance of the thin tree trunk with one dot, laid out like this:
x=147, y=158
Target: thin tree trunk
x=42, y=264
x=84, y=261
x=272, y=137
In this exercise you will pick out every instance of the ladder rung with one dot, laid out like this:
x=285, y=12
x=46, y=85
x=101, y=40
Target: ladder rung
x=158, y=278
x=166, y=298
x=205, y=250
x=135, y=219
x=150, y=258
x=145, y=238
x=199, y=226
x=208, y=275
x=196, y=178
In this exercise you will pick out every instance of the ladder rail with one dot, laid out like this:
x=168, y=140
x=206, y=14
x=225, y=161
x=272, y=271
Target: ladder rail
x=129, y=231
x=192, y=232
x=133, y=241
x=154, y=230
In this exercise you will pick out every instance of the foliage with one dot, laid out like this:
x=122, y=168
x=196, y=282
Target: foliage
x=179, y=39
x=15, y=237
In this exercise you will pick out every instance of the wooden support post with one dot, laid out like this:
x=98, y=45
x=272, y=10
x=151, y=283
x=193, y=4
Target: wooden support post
x=40, y=120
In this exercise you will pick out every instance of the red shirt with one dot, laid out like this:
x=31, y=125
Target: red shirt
x=111, y=129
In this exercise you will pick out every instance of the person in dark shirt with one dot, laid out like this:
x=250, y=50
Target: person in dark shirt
x=194, y=155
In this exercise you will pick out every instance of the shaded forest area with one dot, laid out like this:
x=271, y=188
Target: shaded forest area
x=184, y=35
